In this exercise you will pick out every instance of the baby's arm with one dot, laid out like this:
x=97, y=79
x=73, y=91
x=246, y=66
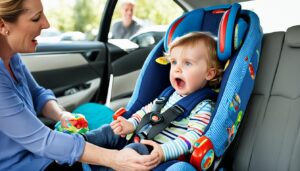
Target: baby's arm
x=121, y=126
x=198, y=122
x=136, y=118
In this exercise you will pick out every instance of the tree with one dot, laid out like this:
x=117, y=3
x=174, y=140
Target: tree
x=59, y=16
x=85, y=15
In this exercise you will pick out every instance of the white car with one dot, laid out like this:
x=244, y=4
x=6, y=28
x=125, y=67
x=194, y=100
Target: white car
x=49, y=35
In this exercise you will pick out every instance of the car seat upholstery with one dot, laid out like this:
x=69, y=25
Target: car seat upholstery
x=269, y=138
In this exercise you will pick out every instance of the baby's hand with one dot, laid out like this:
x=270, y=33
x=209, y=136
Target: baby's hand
x=121, y=126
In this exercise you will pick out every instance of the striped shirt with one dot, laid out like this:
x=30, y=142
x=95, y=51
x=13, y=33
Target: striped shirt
x=178, y=138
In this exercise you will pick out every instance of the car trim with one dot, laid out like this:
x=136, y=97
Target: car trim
x=52, y=62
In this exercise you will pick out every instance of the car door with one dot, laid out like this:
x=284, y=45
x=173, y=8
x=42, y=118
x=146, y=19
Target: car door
x=72, y=70
x=75, y=70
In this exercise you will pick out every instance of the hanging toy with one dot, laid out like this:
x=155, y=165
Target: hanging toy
x=163, y=60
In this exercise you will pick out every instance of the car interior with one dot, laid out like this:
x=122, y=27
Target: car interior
x=268, y=137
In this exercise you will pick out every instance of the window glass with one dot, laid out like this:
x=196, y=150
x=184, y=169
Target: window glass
x=150, y=21
x=274, y=15
x=72, y=20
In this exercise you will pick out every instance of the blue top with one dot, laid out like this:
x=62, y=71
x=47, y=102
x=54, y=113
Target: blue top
x=26, y=143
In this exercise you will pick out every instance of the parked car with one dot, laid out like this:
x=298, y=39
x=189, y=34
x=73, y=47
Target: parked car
x=49, y=35
x=150, y=35
x=147, y=36
x=73, y=36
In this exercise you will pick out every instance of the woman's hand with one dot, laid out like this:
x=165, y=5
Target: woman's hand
x=129, y=159
x=65, y=118
x=156, y=149
x=125, y=159
x=121, y=126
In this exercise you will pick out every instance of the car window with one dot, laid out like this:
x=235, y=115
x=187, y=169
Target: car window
x=274, y=15
x=72, y=20
x=151, y=17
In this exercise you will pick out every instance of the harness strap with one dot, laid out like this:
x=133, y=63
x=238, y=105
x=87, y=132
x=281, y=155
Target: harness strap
x=154, y=122
x=167, y=92
x=168, y=116
x=188, y=103
x=149, y=127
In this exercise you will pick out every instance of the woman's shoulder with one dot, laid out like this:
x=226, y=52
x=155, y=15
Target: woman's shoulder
x=16, y=63
x=16, y=58
x=5, y=81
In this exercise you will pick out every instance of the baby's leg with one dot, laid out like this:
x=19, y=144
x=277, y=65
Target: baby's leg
x=105, y=137
x=139, y=147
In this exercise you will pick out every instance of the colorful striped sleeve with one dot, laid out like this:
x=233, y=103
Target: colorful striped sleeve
x=136, y=118
x=198, y=121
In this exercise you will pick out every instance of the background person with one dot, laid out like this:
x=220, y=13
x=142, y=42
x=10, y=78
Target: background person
x=127, y=26
x=26, y=143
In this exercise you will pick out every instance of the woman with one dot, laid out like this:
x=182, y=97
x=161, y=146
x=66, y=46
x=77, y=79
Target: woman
x=26, y=143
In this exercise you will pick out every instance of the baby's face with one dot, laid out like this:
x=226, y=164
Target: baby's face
x=189, y=68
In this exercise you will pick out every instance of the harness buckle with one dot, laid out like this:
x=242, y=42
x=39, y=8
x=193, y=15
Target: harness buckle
x=156, y=118
x=142, y=134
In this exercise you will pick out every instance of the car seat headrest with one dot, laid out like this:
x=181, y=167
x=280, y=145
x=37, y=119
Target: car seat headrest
x=182, y=25
x=232, y=30
x=293, y=36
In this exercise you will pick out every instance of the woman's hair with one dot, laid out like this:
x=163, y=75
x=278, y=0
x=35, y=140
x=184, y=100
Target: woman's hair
x=191, y=39
x=10, y=9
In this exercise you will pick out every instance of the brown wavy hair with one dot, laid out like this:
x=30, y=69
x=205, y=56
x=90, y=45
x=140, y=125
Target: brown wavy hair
x=10, y=10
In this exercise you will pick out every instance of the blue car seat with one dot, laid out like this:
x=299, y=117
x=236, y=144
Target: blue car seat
x=239, y=36
x=239, y=41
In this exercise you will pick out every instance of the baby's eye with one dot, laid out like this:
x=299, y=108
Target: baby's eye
x=173, y=62
x=188, y=64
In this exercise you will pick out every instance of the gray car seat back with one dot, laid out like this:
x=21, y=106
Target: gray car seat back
x=270, y=137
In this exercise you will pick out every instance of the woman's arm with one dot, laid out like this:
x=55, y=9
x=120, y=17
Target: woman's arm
x=126, y=159
x=43, y=99
x=54, y=111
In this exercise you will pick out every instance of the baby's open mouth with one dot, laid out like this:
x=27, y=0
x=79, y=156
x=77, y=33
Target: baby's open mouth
x=179, y=82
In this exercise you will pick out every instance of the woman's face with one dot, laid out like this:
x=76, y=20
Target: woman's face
x=22, y=33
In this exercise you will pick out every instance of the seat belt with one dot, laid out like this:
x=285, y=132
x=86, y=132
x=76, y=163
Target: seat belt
x=154, y=122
